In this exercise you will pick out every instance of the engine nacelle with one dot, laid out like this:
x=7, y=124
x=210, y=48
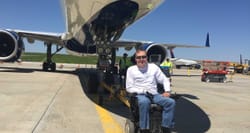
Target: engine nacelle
x=156, y=53
x=11, y=46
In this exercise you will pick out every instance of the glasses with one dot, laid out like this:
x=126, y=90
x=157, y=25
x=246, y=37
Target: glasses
x=141, y=57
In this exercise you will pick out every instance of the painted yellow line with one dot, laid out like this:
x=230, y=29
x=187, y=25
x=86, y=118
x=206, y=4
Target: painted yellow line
x=108, y=123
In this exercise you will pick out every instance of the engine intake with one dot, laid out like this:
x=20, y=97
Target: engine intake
x=11, y=46
x=156, y=53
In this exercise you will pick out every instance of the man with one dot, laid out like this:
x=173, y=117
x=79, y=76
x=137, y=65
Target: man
x=167, y=67
x=142, y=79
x=167, y=64
x=124, y=63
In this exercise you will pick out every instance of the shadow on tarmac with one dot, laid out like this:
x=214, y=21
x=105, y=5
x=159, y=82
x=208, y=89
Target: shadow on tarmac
x=31, y=70
x=16, y=70
x=189, y=118
x=185, y=75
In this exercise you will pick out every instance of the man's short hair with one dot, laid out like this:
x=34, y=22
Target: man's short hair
x=125, y=54
x=140, y=49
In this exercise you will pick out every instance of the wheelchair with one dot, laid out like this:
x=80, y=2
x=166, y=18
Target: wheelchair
x=155, y=116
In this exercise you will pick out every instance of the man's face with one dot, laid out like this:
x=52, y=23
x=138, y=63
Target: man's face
x=141, y=58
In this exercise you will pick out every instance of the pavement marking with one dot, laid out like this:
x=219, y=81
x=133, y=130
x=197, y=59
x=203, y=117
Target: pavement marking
x=108, y=123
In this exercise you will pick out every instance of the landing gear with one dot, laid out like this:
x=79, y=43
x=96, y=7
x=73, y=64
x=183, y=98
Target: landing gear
x=108, y=71
x=106, y=62
x=48, y=64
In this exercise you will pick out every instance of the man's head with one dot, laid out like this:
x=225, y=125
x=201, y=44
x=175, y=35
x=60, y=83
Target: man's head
x=125, y=55
x=167, y=59
x=141, y=58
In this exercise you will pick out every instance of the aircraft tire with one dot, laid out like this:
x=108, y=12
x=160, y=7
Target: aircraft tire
x=53, y=66
x=45, y=66
x=223, y=80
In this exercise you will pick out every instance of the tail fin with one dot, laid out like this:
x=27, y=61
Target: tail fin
x=207, y=41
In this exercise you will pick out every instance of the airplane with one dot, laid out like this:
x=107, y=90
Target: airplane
x=180, y=62
x=92, y=27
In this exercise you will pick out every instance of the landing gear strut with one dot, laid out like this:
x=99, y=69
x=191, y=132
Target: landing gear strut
x=48, y=64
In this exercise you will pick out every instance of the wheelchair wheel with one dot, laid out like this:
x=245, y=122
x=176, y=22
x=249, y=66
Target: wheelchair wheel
x=130, y=127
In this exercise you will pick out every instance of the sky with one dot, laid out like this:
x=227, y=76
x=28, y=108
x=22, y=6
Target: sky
x=174, y=21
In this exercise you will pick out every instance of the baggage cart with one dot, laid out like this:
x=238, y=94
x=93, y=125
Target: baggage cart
x=214, y=71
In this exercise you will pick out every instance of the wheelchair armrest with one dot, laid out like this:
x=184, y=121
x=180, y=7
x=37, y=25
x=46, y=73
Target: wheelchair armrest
x=131, y=94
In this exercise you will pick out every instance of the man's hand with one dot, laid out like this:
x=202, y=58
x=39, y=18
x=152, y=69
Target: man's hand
x=166, y=94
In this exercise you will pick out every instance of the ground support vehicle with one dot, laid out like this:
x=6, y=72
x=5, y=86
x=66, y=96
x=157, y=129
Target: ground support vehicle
x=214, y=76
x=214, y=71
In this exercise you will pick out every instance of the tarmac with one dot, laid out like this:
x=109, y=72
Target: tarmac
x=32, y=100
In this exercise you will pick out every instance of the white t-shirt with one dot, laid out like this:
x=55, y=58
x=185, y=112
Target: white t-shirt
x=142, y=80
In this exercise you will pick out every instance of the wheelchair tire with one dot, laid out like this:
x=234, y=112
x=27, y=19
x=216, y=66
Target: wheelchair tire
x=130, y=127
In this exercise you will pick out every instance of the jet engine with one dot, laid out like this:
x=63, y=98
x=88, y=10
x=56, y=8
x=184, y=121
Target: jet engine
x=11, y=46
x=156, y=53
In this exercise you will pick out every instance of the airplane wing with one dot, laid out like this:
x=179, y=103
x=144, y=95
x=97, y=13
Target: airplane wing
x=129, y=43
x=167, y=45
x=156, y=49
x=55, y=38
x=134, y=43
x=173, y=45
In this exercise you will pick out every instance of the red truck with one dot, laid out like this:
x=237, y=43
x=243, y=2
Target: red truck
x=214, y=71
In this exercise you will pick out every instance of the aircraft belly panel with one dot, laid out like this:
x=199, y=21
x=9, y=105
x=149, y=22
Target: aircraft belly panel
x=93, y=18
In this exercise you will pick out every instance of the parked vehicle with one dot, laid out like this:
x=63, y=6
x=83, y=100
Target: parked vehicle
x=230, y=69
x=214, y=71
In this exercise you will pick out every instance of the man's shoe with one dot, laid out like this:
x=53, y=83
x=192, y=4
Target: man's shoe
x=165, y=130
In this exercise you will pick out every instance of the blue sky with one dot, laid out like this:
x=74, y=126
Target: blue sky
x=182, y=22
